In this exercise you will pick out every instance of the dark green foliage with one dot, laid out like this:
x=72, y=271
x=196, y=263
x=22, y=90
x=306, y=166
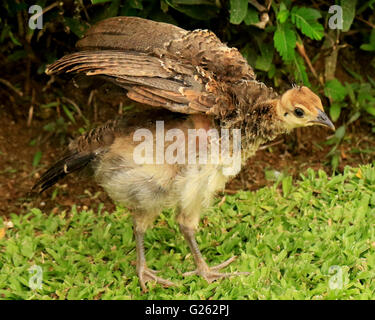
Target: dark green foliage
x=234, y=21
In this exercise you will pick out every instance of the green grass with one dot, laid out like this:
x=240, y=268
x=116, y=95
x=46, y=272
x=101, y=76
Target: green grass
x=296, y=240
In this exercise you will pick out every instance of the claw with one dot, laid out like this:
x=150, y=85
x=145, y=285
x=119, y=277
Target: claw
x=224, y=264
x=211, y=274
x=147, y=275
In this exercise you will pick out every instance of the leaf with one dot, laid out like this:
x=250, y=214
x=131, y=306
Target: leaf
x=68, y=113
x=350, y=91
x=335, y=90
x=136, y=4
x=264, y=61
x=348, y=13
x=370, y=46
x=251, y=17
x=271, y=73
x=283, y=13
x=306, y=20
x=76, y=26
x=340, y=132
x=199, y=12
x=300, y=71
x=354, y=117
x=113, y=9
x=365, y=94
x=285, y=41
x=14, y=39
x=37, y=157
x=27, y=249
x=238, y=11
x=2, y=233
x=17, y=55
x=367, y=47
x=372, y=37
x=359, y=174
x=335, y=111
x=50, y=105
x=370, y=110
x=286, y=185
x=249, y=53
x=335, y=161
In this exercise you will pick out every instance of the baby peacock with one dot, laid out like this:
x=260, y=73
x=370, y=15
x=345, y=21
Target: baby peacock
x=207, y=88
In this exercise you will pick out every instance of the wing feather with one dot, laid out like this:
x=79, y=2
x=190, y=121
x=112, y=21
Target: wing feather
x=146, y=78
x=160, y=64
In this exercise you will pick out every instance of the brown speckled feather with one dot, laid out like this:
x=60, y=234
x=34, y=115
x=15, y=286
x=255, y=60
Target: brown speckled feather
x=80, y=153
x=129, y=34
x=161, y=65
x=198, y=47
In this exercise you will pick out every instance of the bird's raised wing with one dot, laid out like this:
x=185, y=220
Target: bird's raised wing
x=159, y=82
x=160, y=65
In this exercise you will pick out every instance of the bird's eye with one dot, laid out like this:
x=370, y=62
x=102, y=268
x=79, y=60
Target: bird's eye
x=299, y=113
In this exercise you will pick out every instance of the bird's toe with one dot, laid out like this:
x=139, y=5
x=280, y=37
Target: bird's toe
x=148, y=275
x=211, y=274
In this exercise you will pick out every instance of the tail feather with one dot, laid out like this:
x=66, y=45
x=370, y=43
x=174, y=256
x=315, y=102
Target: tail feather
x=61, y=168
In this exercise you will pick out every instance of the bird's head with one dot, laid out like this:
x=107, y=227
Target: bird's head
x=300, y=107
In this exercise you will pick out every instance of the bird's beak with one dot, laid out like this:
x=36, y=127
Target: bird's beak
x=323, y=119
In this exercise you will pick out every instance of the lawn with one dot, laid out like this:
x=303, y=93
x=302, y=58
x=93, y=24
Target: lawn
x=308, y=239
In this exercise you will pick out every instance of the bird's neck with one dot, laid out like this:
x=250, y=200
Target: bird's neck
x=256, y=115
x=262, y=122
x=261, y=125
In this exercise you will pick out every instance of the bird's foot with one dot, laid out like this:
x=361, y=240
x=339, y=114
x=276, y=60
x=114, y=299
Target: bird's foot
x=211, y=274
x=146, y=275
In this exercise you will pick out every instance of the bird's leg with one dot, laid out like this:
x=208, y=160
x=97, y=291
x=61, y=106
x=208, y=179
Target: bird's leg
x=144, y=273
x=210, y=274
